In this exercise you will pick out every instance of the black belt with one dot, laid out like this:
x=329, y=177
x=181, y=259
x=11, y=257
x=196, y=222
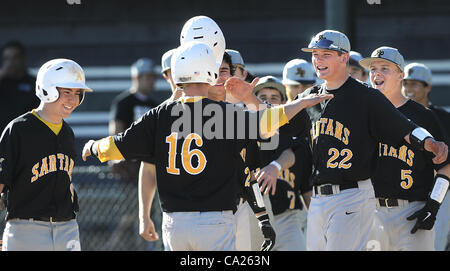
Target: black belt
x=386, y=202
x=47, y=218
x=327, y=189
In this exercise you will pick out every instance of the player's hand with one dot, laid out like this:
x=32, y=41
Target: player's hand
x=239, y=88
x=314, y=98
x=425, y=216
x=267, y=179
x=87, y=149
x=268, y=233
x=147, y=229
x=438, y=148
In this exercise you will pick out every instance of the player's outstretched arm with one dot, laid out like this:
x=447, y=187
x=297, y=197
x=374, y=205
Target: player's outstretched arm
x=267, y=176
x=146, y=192
x=104, y=149
x=421, y=139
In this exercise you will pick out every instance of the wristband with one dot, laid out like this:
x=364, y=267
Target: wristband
x=417, y=138
x=275, y=163
x=440, y=188
x=91, y=149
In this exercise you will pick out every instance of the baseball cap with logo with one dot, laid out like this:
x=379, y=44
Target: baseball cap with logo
x=298, y=71
x=330, y=40
x=419, y=72
x=384, y=53
x=141, y=66
x=165, y=60
x=270, y=82
x=236, y=57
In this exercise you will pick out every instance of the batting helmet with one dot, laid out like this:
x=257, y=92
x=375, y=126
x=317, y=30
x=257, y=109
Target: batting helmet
x=194, y=62
x=59, y=72
x=206, y=30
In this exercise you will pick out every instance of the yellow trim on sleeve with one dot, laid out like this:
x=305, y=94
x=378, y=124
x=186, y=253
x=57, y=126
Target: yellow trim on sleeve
x=107, y=150
x=272, y=119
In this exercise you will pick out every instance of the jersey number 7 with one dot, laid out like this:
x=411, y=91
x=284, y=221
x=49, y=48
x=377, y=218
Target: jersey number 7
x=186, y=154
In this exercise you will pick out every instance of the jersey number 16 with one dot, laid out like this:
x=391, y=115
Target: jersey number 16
x=186, y=154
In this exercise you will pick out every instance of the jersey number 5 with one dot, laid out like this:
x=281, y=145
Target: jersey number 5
x=406, y=178
x=186, y=154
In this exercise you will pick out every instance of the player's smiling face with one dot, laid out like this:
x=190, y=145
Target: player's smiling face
x=416, y=90
x=68, y=100
x=326, y=62
x=217, y=92
x=271, y=95
x=385, y=76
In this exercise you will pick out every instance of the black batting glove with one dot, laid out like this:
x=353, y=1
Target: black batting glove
x=267, y=231
x=425, y=216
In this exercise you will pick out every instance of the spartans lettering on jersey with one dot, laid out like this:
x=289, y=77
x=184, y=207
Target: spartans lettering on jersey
x=402, y=153
x=326, y=126
x=51, y=164
x=287, y=176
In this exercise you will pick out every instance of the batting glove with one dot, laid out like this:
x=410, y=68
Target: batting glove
x=267, y=231
x=425, y=216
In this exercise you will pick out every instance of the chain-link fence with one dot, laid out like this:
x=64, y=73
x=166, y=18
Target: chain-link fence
x=108, y=216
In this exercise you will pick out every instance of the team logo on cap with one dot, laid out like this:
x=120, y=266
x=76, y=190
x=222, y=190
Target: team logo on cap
x=410, y=71
x=379, y=53
x=300, y=72
x=320, y=37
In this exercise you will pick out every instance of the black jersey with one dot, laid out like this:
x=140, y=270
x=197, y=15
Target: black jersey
x=401, y=171
x=347, y=128
x=444, y=119
x=129, y=107
x=195, y=169
x=36, y=168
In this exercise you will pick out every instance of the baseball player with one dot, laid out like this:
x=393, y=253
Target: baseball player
x=285, y=195
x=402, y=183
x=345, y=131
x=246, y=224
x=417, y=86
x=355, y=69
x=194, y=185
x=202, y=28
x=37, y=159
x=298, y=75
x=404, y=176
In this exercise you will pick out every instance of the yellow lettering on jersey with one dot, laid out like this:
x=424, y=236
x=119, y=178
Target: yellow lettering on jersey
x=346, y=135
x=243, y=153
x=35, y=172
x=66, y=163
x=392, y=152
x=287, y=176
x=329, y=130
x=402, y=153
x=44, y=167
x=52, y=163
x=323, y=121
x=61, y=160
x=248, y=178
x=338, y=130
x=410, y=159
x=72, y=163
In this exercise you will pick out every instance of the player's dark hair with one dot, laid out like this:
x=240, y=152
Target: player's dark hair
x=249, y=78
x=15, y=44
x=227, y=59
